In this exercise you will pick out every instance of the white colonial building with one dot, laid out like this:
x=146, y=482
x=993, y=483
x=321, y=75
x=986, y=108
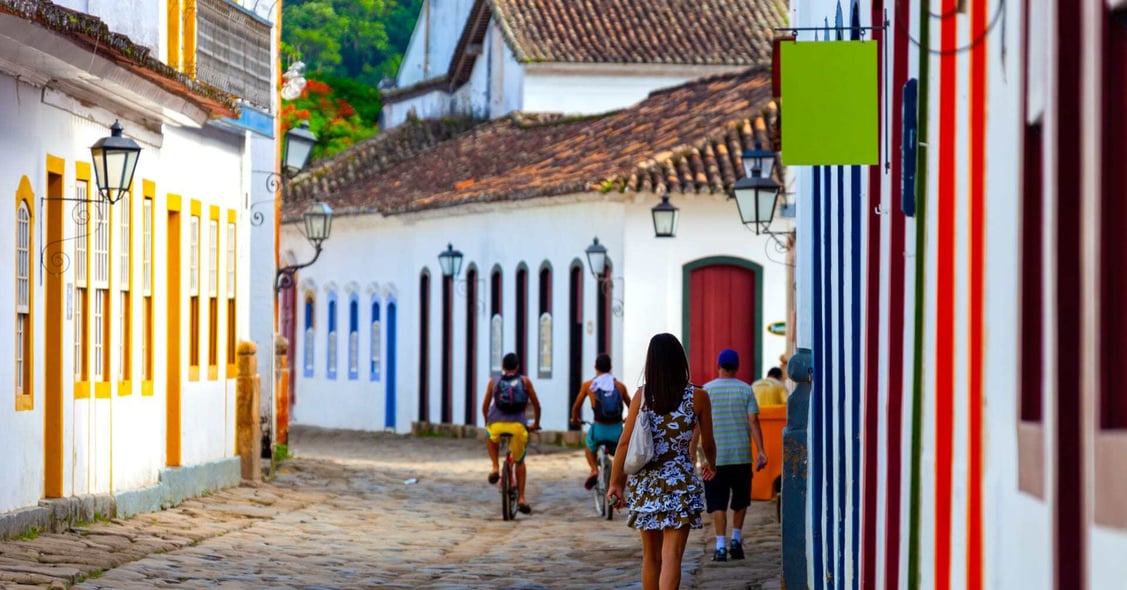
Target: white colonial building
x=384, y=339
x=125, y=315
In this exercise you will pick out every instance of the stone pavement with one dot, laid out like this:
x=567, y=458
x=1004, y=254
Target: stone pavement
x=341, y=514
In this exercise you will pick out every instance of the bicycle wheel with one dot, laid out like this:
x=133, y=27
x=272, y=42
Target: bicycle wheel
x=599, y=492
x=604, y=484
x=508, y=501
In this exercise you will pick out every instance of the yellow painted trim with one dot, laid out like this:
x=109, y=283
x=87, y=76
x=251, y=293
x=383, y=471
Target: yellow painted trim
x=174, y=34
x=56, y=165
x=148, y=189
x=174, y=351
x=26, y=197
x=193, y=373
x=148, y=192
x=124, y=388
x=175, y=202
x=147, y=388
x=82, y=390
x=54, y=434
x=212, y=372
x=196, y=207
x=82, y=171
x=232, y=216
x=190, y=38
x=213, y=212
x=102, y=390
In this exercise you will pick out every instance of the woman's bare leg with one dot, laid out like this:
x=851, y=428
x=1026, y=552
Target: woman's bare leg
x=672, y=550
x=651, y=559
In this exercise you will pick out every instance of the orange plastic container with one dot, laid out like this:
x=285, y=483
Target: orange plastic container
x=765, y=484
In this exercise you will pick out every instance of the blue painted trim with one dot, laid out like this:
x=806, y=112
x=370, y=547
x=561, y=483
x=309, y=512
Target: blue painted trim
x=353, y=343
x=392, y=346
x=817, y=462
x=253, y=120
x=309, y=337
x=856, y=273
x=331, y=359
x=840, y=459
x=828, y=521
x=373, y=366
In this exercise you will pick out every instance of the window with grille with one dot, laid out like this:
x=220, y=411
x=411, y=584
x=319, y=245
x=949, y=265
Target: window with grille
x=231, y=296
x=353, y=338
x=23, y=300
x=147, y=288
x=194, y=293
x=374, y=343
x=101, y=291
x=213, y=296
x=331, y=345
x=125, y=342
x=81, y=294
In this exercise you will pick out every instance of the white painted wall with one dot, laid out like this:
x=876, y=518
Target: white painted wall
x=599, y=89
x=433, y=40
x=559, y=230
x=431, y=105
x=133, y=423
x=140, y=20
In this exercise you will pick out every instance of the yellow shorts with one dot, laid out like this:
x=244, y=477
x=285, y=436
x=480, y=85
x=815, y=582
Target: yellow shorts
x=520, y=436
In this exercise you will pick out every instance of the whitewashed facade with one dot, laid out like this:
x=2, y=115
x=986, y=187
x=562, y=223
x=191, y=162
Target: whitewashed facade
x=134, y=398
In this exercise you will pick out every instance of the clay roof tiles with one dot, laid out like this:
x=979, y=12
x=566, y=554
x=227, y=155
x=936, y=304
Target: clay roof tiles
x=685, y=139
x=691, y=32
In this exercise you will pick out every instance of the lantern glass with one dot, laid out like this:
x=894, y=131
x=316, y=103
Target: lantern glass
x=758, y=163
x=450, y=260
x=665, y=218
x=318, y=223
x=597, y=258
x=756, y=199
x=299, y=144
x=115, y=160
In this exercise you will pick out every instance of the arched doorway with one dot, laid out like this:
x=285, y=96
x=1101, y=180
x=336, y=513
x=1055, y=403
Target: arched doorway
x=723, y=308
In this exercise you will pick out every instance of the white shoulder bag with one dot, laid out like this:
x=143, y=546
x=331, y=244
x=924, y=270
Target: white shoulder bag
x=641, y=448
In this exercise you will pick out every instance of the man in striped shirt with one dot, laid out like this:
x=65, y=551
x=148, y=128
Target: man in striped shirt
x=735, y=422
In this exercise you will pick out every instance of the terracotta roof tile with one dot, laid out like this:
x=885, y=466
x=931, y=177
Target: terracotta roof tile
x=713, y=32
x=89, y=31
x=684, y=139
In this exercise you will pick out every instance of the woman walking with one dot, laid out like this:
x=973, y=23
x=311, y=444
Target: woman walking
x=665, y=496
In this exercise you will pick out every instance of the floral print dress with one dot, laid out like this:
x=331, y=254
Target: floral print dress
x=667, y=492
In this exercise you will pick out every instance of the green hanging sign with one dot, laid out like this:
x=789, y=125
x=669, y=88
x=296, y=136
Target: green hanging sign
x=829, y=103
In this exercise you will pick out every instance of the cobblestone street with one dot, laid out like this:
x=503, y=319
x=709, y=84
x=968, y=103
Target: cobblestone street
x=342, y=515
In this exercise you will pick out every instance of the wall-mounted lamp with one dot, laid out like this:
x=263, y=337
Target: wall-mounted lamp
x=665, y=218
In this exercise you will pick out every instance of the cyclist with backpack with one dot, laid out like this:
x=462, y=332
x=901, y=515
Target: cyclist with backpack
x=507, y=396
x=608, y=397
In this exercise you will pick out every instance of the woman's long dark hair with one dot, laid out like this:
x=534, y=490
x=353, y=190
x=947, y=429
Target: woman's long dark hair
x=667, y=373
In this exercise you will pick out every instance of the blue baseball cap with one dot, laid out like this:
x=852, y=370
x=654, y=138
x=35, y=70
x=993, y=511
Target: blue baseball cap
x=729, y=359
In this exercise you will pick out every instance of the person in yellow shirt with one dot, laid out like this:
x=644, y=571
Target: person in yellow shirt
x=770, y=391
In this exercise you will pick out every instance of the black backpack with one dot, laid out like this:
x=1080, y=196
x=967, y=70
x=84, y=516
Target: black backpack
x=510, y=395
x=608, y=404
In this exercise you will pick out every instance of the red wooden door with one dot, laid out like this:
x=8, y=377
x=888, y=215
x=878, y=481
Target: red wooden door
x=722, y=314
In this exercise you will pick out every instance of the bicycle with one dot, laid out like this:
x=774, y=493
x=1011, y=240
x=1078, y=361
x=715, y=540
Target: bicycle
x=603, y=463
x=508, y=482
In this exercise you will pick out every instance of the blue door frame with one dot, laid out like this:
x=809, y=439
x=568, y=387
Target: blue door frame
x=389, y=409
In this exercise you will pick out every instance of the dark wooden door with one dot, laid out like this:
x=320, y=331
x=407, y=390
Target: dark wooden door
x=722, y=314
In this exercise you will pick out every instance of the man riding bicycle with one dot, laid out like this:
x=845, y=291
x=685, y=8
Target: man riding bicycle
x=608, y=398
x=506, y=399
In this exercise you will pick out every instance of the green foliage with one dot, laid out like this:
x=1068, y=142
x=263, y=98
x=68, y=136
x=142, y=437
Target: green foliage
x=358, y=39
x=281, y=452
x=332, y=119
x=29, y=535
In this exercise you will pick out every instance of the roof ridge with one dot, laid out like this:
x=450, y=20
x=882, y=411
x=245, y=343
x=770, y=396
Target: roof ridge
x=710, y=78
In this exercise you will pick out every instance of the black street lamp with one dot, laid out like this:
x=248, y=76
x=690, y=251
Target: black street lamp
x=450, y=260
x=757, y=192
x=318, y=224
x=665, y=218
x=597, y=259
x=296, y=148
x=115, y=161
